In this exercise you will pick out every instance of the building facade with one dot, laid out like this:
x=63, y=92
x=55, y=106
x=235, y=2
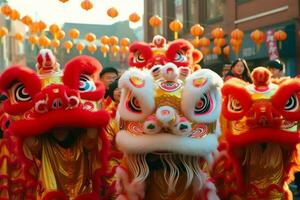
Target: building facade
x=247, y=15
x=11, y=51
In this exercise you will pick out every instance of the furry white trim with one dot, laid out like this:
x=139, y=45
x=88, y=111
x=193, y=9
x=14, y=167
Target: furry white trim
x=125, y=188
x=192, y=94
x=133, y=144
x=144, y=94
x=170, y=72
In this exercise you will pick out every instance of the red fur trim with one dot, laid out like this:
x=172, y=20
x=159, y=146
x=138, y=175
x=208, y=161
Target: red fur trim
x=231, y=88
x=284, y=92
x=84, y=65
x=24, y=75
x=72, y=118
x=259, y=135
x=197, y=56
x=55, y=195
x=177, y=45
x=144, y=49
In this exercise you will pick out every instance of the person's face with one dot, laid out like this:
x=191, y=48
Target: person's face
x=276, y=73
x=117, y=95
x=108, y=78
x=238, y=68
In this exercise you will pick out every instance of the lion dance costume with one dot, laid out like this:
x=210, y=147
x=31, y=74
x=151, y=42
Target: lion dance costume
x=259, y=153
x=168, y=128
x=56, y=119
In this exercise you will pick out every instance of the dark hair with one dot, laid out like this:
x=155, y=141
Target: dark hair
x=111, y=88
x=275, y=64
x=246, y=73
x=108, y=70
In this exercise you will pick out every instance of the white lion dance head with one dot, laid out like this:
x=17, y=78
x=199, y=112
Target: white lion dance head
x=169, y=123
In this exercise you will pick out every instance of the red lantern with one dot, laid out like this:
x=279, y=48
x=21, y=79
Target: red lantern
x=92, y=48
x=196, y=31
x=113, y=40
x=80, y=46
x=125, y=42
x=219, y=42
x=104, y=49
x=175, y=26
x=134, y=17
x=112, y=12
x=90, y=37
x=226, y=50
x=155, y=22
x=68, y=45
x=115, y=49
x=237, y=34
x=14, y=15
x=74, y=33
x=27, y=20
x=217, y=33
x=60, y=35
x=104, y=39
x=6, y=10
x=280, y=36
x=257, y=37
x=217, y=50
x=87, y=5
x=55, y=44
x=204, y=41
x=33, y=39
x=54, y=28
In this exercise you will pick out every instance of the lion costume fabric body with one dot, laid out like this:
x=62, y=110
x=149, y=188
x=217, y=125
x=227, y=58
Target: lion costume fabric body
x=56, y=119
x=168, y=129
x=259, y=151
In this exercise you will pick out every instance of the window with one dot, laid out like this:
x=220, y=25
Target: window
x=179, y=10
x=192, y=12
x=214, y=10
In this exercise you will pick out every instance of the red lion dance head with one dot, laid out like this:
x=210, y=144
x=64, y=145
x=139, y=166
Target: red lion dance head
x=57, y=117
x=179, y=52
x=261, y=133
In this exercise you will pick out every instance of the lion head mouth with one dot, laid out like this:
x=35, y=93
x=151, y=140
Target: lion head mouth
x=141, y=165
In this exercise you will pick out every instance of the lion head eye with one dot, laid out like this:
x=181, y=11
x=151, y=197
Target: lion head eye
x=86, y=83
x=20, y=94
x=203, y=105
x=292, y=104
x=138, y=57
x=234, y=105
x=180, y=56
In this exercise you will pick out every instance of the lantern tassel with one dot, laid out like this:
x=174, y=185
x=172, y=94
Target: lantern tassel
x=155, y=31
x=175, y=35
x=280, y=44
x=258, y=47
x=32, y=47
x=104, y=55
